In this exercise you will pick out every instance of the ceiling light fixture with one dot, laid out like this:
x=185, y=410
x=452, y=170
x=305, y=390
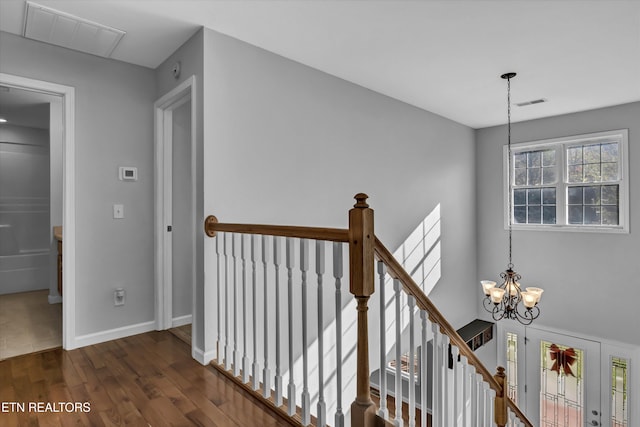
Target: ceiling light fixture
x=3, y=120
x=509, y=301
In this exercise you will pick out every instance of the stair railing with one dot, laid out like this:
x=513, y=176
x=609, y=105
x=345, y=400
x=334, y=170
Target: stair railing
x=251, y=304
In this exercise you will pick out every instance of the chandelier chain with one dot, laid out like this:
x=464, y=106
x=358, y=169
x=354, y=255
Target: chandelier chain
x=510, y=209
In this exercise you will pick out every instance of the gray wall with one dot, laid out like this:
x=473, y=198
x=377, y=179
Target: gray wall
x=114, y=127
x=285, y=143
x=590, y=279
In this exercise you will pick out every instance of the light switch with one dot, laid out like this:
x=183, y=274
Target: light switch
x=118, y=211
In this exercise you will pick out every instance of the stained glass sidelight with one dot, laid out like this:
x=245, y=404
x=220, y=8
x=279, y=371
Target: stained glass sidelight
x=619, y=392
x=512, y=365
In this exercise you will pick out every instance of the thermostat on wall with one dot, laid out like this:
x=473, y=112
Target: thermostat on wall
x=128, y=173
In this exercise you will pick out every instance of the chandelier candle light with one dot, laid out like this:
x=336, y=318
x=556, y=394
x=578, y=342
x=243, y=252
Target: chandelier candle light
x=507, y=300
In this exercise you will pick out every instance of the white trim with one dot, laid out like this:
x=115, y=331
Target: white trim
x=181, y=321
x=204, y=358
x=559, y=144
x=162, y=181
x=68, y=196
x=54, y=299
x=114, y=334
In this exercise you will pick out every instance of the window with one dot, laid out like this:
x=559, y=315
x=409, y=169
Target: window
x=573, y=183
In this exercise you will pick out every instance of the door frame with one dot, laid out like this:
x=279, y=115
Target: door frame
x=591, y=375
x=163, y=144
x=68, y=194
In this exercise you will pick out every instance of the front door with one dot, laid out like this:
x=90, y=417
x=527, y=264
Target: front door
x=562, y=380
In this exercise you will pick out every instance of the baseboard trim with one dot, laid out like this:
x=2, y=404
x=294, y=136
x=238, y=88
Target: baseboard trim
x=204, y=358
x=54, y=299
x=114, y=334
x=181, y=321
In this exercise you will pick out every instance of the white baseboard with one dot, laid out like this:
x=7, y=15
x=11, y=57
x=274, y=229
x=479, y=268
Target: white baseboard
x=114, y=334
x=54, y=299
x=202, y=357
x=181, y=321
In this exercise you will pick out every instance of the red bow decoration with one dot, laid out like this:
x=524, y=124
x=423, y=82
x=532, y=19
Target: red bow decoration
x=563, y=359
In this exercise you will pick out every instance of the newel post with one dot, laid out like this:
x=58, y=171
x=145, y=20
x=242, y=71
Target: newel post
x=361, y=285
x=500, y=408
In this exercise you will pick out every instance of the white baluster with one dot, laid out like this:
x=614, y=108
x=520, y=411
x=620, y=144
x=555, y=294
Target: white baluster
x=306, y=398
x=255, y=371
x=321, y=411
x=466, y=391
x=490, y=398
x=245, y=332
x=276, y=263
x=480, y=393
x=412, y=370
x=444, y=402
x=398, y=378
x=456, y=385
x=473, y=412
x=337, y=274
x=236, y=364
x=227, y=348
x=266, y=372
x=383, y=411
x=436, y=392
x=219, y=359
x=424, y=368
x=291, y=389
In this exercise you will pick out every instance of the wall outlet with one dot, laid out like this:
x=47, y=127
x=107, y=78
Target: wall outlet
x=118, y=297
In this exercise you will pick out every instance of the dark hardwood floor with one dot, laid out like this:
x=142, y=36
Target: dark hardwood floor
x=144, y=380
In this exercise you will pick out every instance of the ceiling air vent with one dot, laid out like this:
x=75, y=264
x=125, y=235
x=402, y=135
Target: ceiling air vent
x=62, y=29
x=535, y=101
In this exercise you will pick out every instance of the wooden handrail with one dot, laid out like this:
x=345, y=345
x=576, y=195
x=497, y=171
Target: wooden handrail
x=211, y=225
x=516, y=410
x=396, y=271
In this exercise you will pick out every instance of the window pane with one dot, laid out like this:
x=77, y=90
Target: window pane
x=520, y=214
x=592, y=172
x=574, y=156
x=592, y=195
x=548, y=196
x=534, y=159
x=549, y=158
x=610, y=215
x=519, y=197
x=534, y=214
x=534, y=176
x=549, y=175
x=520, y=176
x=575, y=195
x=549, y=214
x=520, y=160
x=609, y=194
x=533, y=196
x=591, y=215
x=591, y=154
x=575, y=214
x=575, y=173
x=609, y=152
x=609, y=171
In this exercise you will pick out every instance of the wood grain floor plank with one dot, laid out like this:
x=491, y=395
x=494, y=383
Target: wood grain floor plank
x=144, y=380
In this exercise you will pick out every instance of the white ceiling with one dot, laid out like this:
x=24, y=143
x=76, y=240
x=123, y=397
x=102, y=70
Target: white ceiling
x=444, y=56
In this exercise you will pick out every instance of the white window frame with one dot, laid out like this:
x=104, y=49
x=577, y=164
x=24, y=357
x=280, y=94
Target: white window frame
x=560, y=145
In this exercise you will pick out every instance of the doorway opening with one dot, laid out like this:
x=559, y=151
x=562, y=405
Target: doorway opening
x=29, y=224
x=175, y=210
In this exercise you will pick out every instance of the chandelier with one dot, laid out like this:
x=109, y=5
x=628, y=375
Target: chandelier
x=508, y=300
